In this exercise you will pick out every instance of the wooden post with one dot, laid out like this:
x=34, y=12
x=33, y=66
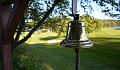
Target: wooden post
x=7, y=57
x=9, y=21
x=0, y=30
x=6, y=48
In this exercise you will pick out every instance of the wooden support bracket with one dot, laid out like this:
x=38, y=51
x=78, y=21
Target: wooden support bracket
x=15, y=16
x=9, y=21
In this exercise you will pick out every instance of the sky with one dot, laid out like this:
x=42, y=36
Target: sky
x=97, y=11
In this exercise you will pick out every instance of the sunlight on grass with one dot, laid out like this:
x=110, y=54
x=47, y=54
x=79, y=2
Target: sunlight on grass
x=104, y=55
x=48, y=67
x=41, y=37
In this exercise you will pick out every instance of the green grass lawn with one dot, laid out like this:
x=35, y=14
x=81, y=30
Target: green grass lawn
x=104, y=55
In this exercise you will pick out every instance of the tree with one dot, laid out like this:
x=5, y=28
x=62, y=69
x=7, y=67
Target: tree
x=39, y=15
x=40, y=10
x=57, y=24
x=91, y=24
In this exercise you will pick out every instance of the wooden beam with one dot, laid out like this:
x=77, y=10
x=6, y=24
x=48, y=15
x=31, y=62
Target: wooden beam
x=0, y=29
x=0, y=24
x=5, y=16
x=15, y=16
x=7, y=1
x=6, y=48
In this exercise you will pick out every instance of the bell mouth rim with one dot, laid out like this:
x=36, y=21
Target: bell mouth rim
x=78, y=47
x=77, y=44
x=68, y=46
x=77, y=40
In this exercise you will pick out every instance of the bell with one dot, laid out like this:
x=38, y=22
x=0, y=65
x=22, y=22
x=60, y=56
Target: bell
x=76, y=36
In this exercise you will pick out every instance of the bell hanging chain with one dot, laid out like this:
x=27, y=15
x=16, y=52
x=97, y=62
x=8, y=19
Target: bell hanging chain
x=77, y=58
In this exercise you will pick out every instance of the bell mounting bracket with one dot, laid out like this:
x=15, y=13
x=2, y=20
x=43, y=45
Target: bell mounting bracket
x=74, y=7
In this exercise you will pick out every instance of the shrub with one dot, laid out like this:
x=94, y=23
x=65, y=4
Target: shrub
x=23, y=61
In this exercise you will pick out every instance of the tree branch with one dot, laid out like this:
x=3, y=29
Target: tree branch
x=37, y=26
x=21, y=26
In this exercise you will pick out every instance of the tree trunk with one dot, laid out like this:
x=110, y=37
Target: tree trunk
x=14, y=46
x=14, y=41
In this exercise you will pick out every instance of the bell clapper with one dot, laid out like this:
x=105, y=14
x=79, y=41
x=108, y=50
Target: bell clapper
x=77, y=58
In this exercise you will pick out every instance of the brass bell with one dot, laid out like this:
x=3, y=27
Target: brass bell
x=76, y=36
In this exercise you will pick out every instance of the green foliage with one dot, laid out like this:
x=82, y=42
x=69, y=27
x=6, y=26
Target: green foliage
x=111, y=23
x=91, y=24
x=23, y=61
x=38, y=8
x=30, y=24
x=57, y=24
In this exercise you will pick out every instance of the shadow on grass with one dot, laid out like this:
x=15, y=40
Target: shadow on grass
x=99, y=57
x=105, y=39
x=109, y=42
x=49, y=38
x=117, y=28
